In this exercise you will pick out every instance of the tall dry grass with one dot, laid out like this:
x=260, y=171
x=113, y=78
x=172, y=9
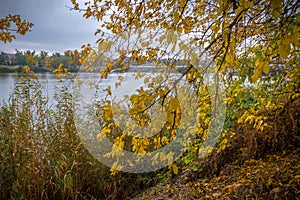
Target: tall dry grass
x=41, y=156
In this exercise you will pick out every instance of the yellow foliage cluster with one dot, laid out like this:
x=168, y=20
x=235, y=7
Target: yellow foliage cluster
x=61, y=72
x=257, y=121
x=246, y=41
x=11, y=22
x=26, y=71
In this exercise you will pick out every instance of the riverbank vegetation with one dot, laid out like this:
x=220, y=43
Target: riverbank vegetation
x=39, y=62
x=42, y=156
x=9, y=69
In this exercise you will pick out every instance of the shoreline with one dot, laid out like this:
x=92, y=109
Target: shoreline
x=17, y=68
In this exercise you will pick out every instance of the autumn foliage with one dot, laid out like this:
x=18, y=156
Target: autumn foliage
x=13, y=24
x=226, y=76
x=249, y=48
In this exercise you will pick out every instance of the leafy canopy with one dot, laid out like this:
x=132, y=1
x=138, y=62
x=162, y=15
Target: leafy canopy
x=235, y=33
x=226, y=37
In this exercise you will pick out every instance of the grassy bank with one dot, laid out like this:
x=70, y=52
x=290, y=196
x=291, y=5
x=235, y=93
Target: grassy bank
x=12, y=69
x=9, y=69
x=42, y=157
x=16, y=68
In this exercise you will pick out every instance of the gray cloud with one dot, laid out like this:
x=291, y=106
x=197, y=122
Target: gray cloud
x=56, y=28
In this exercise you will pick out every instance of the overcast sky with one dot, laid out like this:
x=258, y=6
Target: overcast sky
x=55, y=29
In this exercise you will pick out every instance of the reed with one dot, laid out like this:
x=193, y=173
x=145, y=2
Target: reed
x=41, y=156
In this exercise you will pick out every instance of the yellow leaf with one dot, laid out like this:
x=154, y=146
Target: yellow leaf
x=107, y=112
x=182, y=3
x=284, y=51
x=257, y=71
x=25, y=69
x=230, y=58
x=238, y=10
x=146, y=80
x=108, y=90
x=170, y=158
x=104, y=46
x=174, y=105
x=175, y=169
x=35, y=76
x=276, y=6
x=163, y=156
x=266, y=68
x=106, y=130
x=120, y=78
x=187, y=28
x=176, y=17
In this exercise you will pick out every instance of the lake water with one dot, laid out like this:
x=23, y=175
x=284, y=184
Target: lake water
x=50, y=84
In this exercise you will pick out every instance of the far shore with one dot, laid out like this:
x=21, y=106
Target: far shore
x=17, y=68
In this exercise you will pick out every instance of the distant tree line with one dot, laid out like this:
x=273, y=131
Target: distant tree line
x=42, y=61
